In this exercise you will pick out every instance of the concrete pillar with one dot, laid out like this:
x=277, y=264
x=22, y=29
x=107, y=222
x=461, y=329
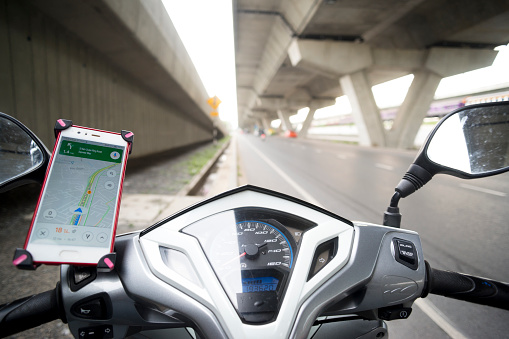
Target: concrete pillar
x=285, y=120
x=279, y=129
x=266, y=124
x=307, y=123
x=413, y=110
x=364, y=109
x=259, y=123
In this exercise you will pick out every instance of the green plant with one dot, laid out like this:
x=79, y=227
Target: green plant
x=200, y=159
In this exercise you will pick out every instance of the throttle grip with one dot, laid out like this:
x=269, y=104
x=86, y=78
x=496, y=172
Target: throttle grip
x=466, y=287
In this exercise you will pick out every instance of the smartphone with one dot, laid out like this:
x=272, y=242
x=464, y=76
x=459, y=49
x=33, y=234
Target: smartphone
x=76, y=216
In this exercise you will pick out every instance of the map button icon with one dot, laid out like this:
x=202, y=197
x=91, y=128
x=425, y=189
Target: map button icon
x=88, y=236
x=102, y=237
x=109, y=185
x=43, y=233
x=49, y=214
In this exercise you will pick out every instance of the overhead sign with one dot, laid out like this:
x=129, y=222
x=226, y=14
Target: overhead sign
x=214, y=102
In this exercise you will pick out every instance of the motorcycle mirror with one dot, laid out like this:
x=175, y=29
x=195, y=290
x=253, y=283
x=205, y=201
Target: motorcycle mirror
x=471, y=142
x=23, y=157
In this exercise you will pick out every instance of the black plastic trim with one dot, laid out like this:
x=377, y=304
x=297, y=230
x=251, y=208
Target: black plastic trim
x=242, y=189
x=332, y=246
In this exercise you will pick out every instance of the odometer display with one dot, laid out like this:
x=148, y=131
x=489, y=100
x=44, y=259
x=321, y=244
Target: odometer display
x=262, y=284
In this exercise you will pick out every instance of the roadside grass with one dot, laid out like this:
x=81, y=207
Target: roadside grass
x=198, y=160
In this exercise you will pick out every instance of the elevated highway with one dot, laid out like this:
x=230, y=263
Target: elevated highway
x=109, y=64
x=305, y=53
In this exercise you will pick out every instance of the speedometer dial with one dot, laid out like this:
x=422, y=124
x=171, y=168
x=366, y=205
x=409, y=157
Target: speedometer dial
x=261, y=245
x=253, y=245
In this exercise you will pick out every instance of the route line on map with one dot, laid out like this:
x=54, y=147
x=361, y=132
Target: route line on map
x=109, y=207
x=84, y=198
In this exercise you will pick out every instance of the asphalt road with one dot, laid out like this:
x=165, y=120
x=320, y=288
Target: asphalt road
x=462, y=223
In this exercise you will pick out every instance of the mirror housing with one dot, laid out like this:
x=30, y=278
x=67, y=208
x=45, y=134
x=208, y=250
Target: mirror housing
x=23, y=157
x=471, y=142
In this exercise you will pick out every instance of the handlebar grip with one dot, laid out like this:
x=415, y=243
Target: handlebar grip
x=467, y=287
x=25, y=313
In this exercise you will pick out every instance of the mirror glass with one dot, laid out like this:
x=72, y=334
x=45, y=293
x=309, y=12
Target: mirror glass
x=474, y=140
x=19, y=154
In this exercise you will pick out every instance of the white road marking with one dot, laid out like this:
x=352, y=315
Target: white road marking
x=289, y=180
x=318, y=151
x=484, y=190
x=439, y=318
x=342, y=156
x=425, y=305
x=383, y=166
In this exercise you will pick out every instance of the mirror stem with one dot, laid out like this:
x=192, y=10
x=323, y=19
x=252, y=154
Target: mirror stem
x=395, y=199
x=392, y=217
x=414, y=178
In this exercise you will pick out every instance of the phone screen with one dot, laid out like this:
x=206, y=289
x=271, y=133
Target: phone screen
x=78, y=206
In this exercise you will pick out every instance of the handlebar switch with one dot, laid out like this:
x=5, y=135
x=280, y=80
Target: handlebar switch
x=97, y=307
x=96, y=332
x=405, y=253
x=394, y=312
x=80, y=276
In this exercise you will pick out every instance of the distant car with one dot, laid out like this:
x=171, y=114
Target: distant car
x=290, y=134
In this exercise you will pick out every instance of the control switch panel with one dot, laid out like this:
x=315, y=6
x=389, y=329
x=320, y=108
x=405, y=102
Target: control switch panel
x=97, y=307
x=96, y=332
x=405, y=253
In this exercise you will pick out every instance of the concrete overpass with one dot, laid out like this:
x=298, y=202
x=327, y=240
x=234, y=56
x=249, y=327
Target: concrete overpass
x=305, y=53
x=110, y=64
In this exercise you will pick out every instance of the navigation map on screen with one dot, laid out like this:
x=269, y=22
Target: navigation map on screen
x=81, y=194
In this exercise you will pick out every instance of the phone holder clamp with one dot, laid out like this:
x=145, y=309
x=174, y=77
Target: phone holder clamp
x=23, y=260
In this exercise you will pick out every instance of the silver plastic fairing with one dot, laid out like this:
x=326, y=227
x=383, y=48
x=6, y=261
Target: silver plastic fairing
x=365, y=283
x=139, y=299
x=207, y=289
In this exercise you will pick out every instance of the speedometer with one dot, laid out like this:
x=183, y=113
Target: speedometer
x=261, y=245
x=252, y=253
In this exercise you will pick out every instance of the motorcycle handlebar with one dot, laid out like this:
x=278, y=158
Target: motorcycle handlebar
x=466, y=287
x=29, y=312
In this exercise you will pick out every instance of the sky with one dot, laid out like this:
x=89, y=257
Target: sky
x=206, y=29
